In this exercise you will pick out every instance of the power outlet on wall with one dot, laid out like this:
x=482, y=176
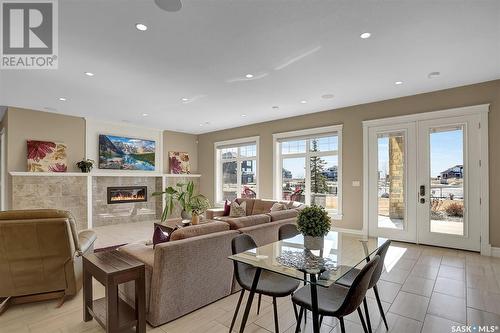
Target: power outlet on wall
x=356, y=183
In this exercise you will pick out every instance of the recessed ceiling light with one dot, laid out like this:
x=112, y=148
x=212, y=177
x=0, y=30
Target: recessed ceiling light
x=141, y=27
x=398, y=82
x=184, y=99
x=327, y=96
x=365, y=35
x=303, y=101
x=243, y=115
x=433, y=75
x=89, y=74
x=62, y=99
x=249, y=76
x=201, y=125
x=145, y=114
x=276, y=107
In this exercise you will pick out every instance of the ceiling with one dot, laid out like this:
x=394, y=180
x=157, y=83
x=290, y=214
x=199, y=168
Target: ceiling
x=296, y=50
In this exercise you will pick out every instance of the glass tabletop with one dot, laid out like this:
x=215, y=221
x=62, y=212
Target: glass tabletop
x=340, y=253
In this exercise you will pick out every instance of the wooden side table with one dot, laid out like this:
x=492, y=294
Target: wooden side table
x=111, y=312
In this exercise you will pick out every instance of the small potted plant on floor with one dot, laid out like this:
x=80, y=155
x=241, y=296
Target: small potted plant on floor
x=85, y=165
x=314, y=223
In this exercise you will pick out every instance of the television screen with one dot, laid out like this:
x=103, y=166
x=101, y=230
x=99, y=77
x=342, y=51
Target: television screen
x=116, y=152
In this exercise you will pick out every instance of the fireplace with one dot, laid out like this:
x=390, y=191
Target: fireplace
x=125, y=194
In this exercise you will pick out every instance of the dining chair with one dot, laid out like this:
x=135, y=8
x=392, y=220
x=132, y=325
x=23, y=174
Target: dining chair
x=348, y=279
x=270, y=284
x=287, y=231
x=337, y=300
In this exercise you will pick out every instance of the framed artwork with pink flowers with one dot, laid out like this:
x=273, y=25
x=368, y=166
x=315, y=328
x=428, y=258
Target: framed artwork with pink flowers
x=47, y=156
x=179, y=162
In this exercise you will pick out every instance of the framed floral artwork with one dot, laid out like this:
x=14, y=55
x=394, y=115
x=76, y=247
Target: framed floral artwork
x=179, y=162
x=46, y=156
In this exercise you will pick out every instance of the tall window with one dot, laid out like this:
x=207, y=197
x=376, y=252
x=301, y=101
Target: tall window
x=308, y=167
x=236, y=169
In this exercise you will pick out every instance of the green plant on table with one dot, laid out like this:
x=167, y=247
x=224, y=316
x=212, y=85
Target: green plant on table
x=183, y=194
x=313, y=221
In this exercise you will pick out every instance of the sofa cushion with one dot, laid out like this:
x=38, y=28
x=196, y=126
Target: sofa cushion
x=141, y=252
x=262, y=206
x=227, y=208
x=283, y=214
x=198, y=230
x=159, y=236
x=237, y=209
x=246, y=221
x=249, y=203
x=277, y=206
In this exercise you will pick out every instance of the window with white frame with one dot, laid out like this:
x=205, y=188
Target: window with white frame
x=236, y=169
x=308, y=167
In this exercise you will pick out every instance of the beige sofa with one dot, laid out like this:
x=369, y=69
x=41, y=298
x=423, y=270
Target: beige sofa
x=186, y=273
x=260, y=222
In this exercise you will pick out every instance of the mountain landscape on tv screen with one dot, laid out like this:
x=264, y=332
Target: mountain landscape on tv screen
x=116, y=152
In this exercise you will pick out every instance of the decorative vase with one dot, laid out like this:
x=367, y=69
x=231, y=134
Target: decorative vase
x=313, y=243
x=185, y=215
x=195, y=219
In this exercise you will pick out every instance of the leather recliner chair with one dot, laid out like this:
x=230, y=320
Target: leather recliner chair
x=41, y=253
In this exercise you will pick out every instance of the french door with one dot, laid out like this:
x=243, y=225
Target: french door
x=424, y=181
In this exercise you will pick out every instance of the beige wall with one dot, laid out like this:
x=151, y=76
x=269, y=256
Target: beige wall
x=352, y=168
x=28, y=124
x=181, y=142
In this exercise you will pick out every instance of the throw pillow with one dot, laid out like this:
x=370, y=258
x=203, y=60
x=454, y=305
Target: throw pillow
x=227, y=208
x=238, y=210
x=160, y=237
x=278, y=206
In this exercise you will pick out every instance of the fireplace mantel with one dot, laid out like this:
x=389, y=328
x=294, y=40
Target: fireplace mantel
x=102, y=174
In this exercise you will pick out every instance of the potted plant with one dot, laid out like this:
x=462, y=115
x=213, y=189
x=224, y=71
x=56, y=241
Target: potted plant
x=314, y=223
x=85, y=165
x=192, y=205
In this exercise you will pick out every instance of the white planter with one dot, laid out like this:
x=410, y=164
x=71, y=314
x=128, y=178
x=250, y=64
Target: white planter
x=313, y=243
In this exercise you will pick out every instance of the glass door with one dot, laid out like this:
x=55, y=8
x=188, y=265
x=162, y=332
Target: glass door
x=448, y=208
x=391, y=182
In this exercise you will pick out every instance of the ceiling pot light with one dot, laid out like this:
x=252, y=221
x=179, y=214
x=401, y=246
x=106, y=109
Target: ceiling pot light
x=184, y=99
x=327, y=96
x=303, y=102
x=201, y=125
x=249, y=76
x=365, y=35
x=398, y=82
x=62, y=99
x=89, y=74
x=145, y=114
x=141, y=27
x=243, y=115
x=169, y=5
x=433, y=75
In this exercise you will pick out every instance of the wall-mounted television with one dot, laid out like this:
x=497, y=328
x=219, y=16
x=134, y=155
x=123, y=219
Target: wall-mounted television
x=121, y=153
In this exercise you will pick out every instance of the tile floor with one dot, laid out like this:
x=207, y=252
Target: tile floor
x=424, y=289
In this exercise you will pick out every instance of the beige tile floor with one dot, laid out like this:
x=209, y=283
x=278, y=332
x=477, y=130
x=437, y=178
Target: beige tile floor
x=424, y=289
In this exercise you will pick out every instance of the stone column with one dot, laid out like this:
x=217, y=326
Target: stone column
x=396, y=176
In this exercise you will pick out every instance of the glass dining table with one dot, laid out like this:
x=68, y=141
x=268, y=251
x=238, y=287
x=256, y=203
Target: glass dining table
x=320, y=267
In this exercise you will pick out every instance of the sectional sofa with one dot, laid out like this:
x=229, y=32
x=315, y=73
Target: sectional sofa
x=192, y=269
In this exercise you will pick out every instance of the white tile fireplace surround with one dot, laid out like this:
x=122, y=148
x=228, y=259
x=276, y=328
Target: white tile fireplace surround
x=86, y=195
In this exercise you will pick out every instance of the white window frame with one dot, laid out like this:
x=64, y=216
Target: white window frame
x=218, y=164
x=307, y=133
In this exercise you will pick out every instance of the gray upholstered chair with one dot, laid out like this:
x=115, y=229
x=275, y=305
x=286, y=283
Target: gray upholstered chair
x=338, y=301
x=270, y=284
x=287, y=231
x=348, y=279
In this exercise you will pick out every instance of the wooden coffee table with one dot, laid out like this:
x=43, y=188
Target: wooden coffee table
x=112, y=268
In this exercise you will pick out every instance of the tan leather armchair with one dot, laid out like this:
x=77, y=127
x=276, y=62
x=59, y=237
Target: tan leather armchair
x=41, y=253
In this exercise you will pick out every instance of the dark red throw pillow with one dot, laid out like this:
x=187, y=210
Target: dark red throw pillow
x=160, y=237
x=227, y=207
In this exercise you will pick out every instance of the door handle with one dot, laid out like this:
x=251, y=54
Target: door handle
x=422, y=190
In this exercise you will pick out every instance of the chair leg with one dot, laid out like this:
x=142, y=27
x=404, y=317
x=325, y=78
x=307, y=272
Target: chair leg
x=380, y=308
x=320, y=320
x=367, y=314
x=258, y=303
x=295, y=312
x=362, y=320
x=236, y=310
x=299, y=319
x=275, y=310
x=342, y=326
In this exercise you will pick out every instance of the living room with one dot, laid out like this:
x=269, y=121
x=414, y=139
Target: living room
x=222, y=166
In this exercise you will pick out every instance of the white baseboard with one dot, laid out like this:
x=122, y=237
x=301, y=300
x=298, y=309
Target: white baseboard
x=495, y=251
